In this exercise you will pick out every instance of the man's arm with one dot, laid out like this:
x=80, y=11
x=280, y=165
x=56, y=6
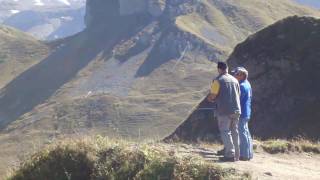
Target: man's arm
x=214, y=91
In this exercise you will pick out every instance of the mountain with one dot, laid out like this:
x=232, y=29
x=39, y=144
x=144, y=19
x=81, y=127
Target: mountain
x=18, y=52
x=44, y=19
x=140, y=66
x=133, y=71
x=136, y=71
x=283, y=64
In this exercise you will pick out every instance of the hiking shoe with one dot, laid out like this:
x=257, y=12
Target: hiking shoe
x=220, y=152
x=227, y=159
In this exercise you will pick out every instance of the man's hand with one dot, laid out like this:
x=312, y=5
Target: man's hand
x=211, y=97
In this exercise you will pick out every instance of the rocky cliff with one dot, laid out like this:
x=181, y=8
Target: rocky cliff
x=283, y=61
x=283, y=64
x=109, y=10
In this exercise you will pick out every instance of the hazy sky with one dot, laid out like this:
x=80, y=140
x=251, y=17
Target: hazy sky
x=314, y=3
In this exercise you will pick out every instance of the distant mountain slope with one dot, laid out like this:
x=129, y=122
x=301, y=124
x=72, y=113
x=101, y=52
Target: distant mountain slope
x=283, y=62
x=18, y=52
x=48, y=24
x=155, y=66
x=44, y=19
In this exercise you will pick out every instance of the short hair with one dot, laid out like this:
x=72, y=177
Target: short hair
x=222, y=65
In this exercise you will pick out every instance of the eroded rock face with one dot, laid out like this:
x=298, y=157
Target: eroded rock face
x=109, y=9
x=128, y=7
x=156, y=7
x=98, y=11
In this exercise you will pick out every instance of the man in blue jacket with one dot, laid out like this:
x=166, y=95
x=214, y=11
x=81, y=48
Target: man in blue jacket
x=246, y=147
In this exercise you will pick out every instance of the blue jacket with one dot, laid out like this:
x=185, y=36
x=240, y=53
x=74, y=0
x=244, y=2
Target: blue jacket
x=245, y=99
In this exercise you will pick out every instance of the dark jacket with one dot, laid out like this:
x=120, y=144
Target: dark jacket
x=228, y=98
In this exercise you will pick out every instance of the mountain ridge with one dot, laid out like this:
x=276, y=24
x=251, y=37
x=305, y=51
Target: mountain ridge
x=44, y=19
x=19, y=52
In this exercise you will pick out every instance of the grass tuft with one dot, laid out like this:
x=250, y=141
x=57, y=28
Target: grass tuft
x=309, y=147
x=282, y=146
x=101, y=158
x=276, y=146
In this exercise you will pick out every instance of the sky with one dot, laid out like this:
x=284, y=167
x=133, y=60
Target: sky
x=313, y=3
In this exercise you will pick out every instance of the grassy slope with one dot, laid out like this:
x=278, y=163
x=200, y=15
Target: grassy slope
x=18, y=52
x=234, y=20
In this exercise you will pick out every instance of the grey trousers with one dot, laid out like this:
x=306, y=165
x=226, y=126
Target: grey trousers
x=228, y=127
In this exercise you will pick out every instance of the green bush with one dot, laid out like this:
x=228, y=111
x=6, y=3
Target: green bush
x=157, y=169
x=60, y=163
x=309, y=147
x=115, y=163
x=275, y=146
x=282, y=146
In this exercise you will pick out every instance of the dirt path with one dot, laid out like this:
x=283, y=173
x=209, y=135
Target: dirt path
x=293, y=166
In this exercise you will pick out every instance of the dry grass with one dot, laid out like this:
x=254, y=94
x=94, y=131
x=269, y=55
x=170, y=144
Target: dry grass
x=283, y=146
x=103, y=158
x=236, y=19
x=18, y=52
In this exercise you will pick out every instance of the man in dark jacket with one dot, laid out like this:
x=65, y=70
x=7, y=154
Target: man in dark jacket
x=225, y=91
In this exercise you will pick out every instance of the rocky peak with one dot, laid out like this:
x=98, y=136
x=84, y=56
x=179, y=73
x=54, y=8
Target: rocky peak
x=98, y=10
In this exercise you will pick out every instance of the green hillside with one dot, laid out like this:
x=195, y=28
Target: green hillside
x=18, y=52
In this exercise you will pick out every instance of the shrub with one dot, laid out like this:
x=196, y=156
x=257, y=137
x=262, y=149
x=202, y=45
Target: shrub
x=309, y=147
x=60, y=163
x=116, y=163
x=157, y=169
x=276, y=146
x=282, y=146
x=104, y=159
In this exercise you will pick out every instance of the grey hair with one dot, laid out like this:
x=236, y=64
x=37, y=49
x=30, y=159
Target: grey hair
x=243, y=70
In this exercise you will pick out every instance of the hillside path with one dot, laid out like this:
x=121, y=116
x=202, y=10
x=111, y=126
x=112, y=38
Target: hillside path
x=293, y=166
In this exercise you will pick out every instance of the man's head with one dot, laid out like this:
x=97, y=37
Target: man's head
x=240, y=73
x=222, y=67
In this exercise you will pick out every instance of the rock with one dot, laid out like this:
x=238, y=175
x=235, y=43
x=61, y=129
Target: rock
x=101, y=12
x=283, y=72
x=128, y=7
x=156, y=7
x=268, y=173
